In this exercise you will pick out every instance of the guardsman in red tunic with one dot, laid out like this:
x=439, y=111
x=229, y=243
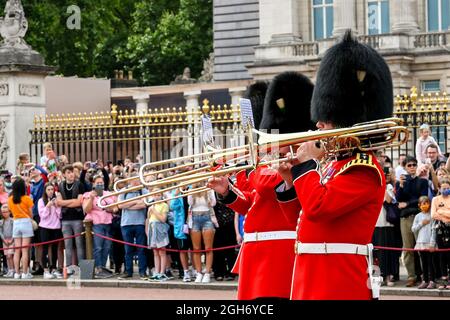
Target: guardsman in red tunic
x=341, y=202
x=266, y=258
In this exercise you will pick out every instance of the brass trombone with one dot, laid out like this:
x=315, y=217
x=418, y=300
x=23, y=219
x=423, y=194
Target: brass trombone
x=366, y=136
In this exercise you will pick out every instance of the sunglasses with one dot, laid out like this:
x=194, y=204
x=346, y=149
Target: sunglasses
x=411, y=165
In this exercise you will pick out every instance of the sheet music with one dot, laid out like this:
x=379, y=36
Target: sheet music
x=246, y=112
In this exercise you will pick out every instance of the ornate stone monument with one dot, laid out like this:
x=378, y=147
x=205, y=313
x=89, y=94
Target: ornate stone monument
x=22, y=92
x=208, y=69
x=184, y=78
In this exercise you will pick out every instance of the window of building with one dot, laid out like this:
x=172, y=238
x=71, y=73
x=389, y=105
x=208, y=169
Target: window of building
x=378, y=16
x=322, y=18
x=431, y=85
x=438, y=15
x=440, y=135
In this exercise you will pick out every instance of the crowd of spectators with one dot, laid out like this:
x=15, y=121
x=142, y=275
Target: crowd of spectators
x=52, y=199
x=416, y=215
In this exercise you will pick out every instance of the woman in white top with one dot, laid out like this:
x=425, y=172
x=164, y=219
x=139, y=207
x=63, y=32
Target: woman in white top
x=202, y=224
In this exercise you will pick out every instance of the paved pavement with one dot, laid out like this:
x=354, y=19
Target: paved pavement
x=173, y=289
x=15, y=292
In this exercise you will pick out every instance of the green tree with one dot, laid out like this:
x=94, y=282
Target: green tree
x=159, y=49
x=156, y=38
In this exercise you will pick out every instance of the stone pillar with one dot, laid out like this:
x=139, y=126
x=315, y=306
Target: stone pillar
x=22, y=86
x=279, y=21
x=192, y=104
x=144, y=144
x=22, y=97
x=236, y=94
x=403, y=16
x=344, y=17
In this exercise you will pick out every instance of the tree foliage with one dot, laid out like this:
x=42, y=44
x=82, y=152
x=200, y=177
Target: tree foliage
x=154, y=38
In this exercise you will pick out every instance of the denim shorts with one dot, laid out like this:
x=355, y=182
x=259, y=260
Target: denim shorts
x=202, y=222
x=22, y=228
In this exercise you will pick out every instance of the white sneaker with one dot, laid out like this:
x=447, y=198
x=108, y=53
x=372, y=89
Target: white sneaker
x=57, y=274
x=10, y=274
x=27, y=276
x=16, y=275
x=206, y=278
x=48, y=275
x=199, y=277
x=186, y=277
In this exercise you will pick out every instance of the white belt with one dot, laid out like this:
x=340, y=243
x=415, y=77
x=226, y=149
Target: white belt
x=331, y=248
x=270, y=235
x=345, y=248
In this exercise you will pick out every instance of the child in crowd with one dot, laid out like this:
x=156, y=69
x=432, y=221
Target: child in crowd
x=6, y=235
x=48, y=160
x=158, y=236
x=23, y=163
x=425, y=240
x=425, y=140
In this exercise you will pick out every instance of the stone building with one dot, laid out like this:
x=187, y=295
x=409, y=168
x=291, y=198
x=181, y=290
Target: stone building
x=259, y=38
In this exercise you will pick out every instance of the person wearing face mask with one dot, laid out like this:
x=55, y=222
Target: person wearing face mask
x=440, y=212
x=425, y=240
x=408, y=191
x=102, y=222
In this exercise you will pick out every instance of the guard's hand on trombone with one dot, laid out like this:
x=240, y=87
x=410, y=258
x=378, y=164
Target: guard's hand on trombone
x=219, y=184
x=310, y=150
x=284, y=169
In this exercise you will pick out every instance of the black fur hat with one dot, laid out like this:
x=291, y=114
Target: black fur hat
x=287, y=103
x=256, y=93
x=353, y=85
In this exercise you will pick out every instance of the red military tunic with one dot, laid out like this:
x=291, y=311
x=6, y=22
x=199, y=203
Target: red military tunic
x=342, y=208
x=264, y=267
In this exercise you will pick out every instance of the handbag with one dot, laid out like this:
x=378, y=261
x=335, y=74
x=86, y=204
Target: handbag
x=34, y=224
x=392, y=213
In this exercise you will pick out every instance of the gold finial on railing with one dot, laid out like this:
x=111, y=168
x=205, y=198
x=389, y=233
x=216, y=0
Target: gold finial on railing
x=126, y=116
x=430, y=101
x=156, y=116
x=205, y=108
x=226, y=112
x=114, y=113
x=219, y=113
x=132, y=117
x=167, y=115
x=213, y=112
x=397, y=104
x=405, y=102
x=422, y=102
x=174, y=114
x=444, y=101
x=413, y=94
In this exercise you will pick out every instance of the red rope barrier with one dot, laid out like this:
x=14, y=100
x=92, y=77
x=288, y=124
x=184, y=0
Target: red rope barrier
x=43, y=243
x=236, y=246
x=165, y=249
x=410, y=249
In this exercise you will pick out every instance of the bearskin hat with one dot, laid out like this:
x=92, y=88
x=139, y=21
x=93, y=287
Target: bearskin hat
x=287, y=104
x=256, y=94
x=353, y=85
